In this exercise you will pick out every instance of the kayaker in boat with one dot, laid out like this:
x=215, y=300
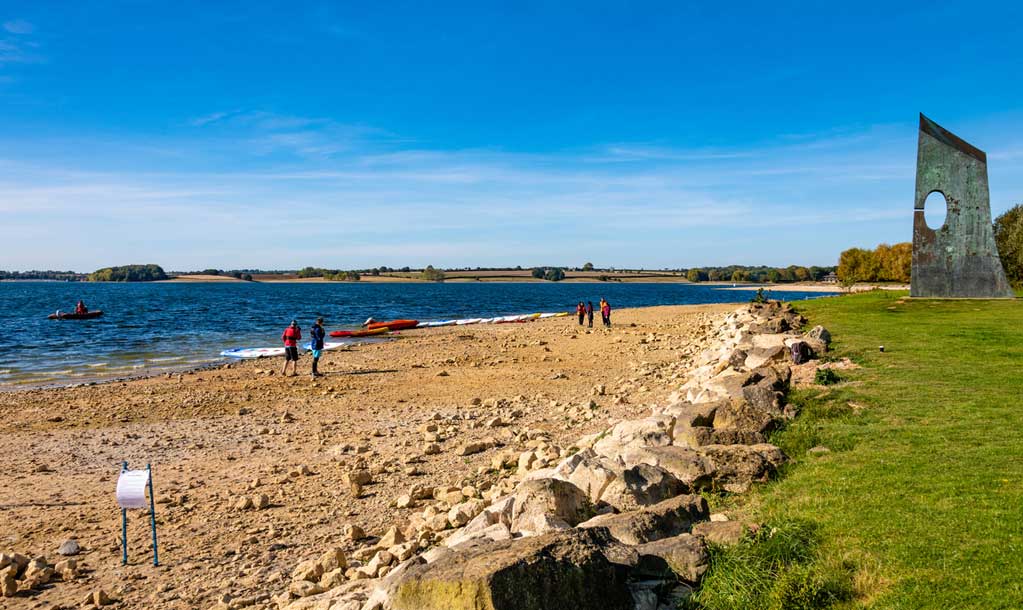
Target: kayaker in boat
x=317, y=333
x=291, y=336
x=589, y=313
x=580, y=310
x=80, y=308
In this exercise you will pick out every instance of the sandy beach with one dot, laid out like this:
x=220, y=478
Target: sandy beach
x=216, y=437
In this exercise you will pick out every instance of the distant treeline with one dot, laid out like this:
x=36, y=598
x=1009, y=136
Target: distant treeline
x=336, y=275
x=69, y=276
x=740, y=273
x=882, y=264
x=240, y=274
x=128, y=273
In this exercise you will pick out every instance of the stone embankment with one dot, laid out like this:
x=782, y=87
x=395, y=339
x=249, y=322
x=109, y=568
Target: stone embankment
x=613, y=522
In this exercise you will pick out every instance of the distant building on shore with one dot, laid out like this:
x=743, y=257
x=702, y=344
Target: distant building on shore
x=831, y=278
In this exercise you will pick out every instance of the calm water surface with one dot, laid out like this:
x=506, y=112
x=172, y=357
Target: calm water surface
x=149, y=328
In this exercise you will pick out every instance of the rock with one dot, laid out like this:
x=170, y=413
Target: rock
x=652, y=431
x=586, y=471
x=568, y=569
x=309, y=570
x=736, y=467
x=99, y=597
x=391, y=537
x=332, y=560
x=404, y=501
x=361, y=476
x=243, y=503
x=431, y=449
x=261, y=501
x=759, y=356
x=460, y=514
x=720, y=532
x=69, y=548
x=819, y=333
x=304, y=588
x=662, y=520
x=641, y=485
x=352, y=532
x=67, y=569
x=8, y=584
x=471, y=448
x=543, y=505
x=526, y=459
x=495, y=532
x=685, y=554
x=37, y=573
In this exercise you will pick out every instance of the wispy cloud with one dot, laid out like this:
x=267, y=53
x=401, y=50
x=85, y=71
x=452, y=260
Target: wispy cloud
x=19, y=26
x=318, y=183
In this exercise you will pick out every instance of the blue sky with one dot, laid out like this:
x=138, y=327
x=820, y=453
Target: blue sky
x=349, y=135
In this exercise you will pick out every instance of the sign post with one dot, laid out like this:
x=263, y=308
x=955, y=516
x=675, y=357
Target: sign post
x=131, y=493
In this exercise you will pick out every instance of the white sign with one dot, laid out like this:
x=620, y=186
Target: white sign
x=131, y=489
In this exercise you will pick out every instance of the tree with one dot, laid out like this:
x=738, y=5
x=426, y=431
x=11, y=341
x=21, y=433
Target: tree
x=802, y=274
x=128, y=273
x=714, y=275
x=740, y=276
x=1009, y=239
x=432, y=275
x=537, y=273
x=554, y=274
x=588, y=267
x=696, y=275
x=773, y=276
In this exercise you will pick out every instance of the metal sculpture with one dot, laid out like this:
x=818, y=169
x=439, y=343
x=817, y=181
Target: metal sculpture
x=959, y=259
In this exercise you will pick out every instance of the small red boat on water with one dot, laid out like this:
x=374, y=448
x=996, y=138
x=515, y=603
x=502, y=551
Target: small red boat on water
x=75, y=316
x=393, y=325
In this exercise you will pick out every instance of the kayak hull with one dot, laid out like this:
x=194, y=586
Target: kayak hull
x=367, y=333
x=393, y=325
x=75, y=316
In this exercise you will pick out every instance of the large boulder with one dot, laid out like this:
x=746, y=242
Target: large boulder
x=567, y=569
x=685, y=464
x=641, y=485
x=543, y=505
x=662, y=520
x=587, y=471
x=736, y=467
x=685, y=555
x=819, y=333
x=653, y=430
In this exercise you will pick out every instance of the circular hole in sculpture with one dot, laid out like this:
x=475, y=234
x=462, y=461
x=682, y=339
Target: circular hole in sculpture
x=935, y=210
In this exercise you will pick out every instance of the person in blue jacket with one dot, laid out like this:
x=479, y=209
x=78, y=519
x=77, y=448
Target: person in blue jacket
x=317, y=334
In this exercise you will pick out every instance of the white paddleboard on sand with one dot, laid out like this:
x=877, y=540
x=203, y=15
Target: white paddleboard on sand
x=253, y=352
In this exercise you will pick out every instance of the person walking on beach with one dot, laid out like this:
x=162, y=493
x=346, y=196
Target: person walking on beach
x=580, y=310
x=317, y=335
x=605, y=313
x=291, y=336
x=589, y=313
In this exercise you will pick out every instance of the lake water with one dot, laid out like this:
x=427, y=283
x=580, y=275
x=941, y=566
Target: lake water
x=150, y=328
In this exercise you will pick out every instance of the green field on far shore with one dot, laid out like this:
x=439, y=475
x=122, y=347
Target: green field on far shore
x=921, y=495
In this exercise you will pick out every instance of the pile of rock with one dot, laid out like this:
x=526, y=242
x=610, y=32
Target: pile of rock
x=613, y=522
x=21, y=573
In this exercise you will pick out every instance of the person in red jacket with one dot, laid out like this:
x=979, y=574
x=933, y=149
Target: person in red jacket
x=291, y=336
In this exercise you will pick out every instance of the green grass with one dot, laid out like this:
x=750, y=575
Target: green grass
x=921, y=494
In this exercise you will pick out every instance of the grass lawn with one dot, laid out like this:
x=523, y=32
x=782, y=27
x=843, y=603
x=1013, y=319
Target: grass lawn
x=921, y=496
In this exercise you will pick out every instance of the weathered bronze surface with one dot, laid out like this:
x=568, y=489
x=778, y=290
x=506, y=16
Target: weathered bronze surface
x=959, y=259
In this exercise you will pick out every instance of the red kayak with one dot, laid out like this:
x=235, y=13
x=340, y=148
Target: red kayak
x=394, y=325
x=75, y=316
x=358, y=333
